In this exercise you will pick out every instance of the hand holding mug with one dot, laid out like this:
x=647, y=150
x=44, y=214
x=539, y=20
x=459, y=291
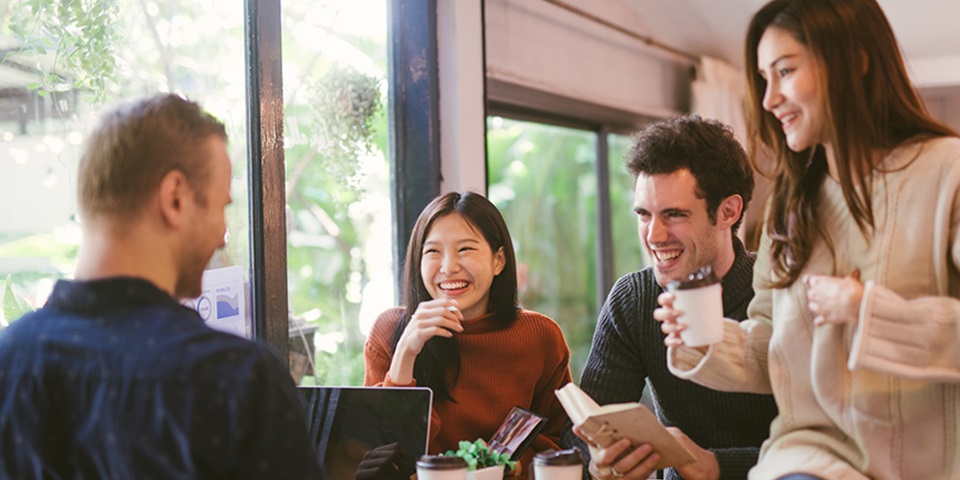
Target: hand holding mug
x=692, y=310
x=667, y=316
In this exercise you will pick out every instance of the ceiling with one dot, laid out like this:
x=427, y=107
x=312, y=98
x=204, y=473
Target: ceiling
x=928, y=31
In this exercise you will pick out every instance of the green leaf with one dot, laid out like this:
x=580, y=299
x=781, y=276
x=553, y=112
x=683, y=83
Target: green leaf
x=13, y=305
x=64, y=30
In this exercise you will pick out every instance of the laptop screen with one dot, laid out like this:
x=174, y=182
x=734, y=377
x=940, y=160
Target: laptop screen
x=347, y=422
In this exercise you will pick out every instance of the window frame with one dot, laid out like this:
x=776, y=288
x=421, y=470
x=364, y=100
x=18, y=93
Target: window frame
x=414, y=147
x=414, y=113
x=559, y=111
x=265, y=161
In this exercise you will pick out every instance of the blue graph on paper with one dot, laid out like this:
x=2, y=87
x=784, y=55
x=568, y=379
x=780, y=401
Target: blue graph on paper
x=227, y=306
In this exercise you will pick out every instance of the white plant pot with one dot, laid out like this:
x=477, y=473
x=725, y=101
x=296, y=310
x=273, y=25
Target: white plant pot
x=487, y=473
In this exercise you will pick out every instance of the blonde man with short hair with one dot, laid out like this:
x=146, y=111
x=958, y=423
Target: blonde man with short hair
x=113, y=377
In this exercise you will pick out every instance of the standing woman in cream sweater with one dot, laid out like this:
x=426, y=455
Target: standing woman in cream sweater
x=855, y=327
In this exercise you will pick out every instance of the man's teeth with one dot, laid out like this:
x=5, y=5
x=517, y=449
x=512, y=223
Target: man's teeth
x=453, y=285
x=666, y=257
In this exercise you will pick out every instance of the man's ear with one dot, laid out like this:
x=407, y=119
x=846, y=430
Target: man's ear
x=499, y=261
x=174, y=194
x=729, y=210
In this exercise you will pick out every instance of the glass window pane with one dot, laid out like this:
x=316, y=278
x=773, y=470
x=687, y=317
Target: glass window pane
x=543, y=179
x=628, y=253
x=339, y=260
x=61, y=70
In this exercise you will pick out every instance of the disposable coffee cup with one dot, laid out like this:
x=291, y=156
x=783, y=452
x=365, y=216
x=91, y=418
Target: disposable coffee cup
x=699, y=299
x=558, y=465
x=440, y=467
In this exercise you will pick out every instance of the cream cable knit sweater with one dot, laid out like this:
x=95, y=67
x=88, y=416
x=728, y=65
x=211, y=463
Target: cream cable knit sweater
x=880, y=398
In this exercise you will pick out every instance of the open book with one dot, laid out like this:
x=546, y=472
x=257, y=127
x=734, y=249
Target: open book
x=609, y=423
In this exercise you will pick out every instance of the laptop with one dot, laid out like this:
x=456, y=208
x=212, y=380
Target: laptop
x=347, y=422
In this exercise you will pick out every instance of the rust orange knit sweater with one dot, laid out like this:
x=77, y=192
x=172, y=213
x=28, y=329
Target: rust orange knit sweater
x=521, y=365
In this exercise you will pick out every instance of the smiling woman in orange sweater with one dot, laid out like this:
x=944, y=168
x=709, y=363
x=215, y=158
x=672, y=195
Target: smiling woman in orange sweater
x=467, y=338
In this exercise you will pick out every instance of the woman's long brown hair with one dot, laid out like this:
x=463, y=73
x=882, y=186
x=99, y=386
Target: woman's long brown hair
x=870, y=107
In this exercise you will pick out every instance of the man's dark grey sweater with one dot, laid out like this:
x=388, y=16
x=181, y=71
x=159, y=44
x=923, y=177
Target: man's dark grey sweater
x=628, y=349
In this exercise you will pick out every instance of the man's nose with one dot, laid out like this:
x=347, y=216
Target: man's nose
x=656, y=232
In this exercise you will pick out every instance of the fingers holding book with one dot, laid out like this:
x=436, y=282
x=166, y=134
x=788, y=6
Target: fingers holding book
x=620, y=460
x=604, y=473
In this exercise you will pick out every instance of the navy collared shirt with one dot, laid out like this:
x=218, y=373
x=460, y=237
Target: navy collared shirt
x=115, y=379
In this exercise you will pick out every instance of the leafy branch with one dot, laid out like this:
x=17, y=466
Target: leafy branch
x=79, y=35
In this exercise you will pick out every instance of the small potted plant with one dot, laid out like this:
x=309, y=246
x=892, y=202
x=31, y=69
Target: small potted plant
x=483, y=463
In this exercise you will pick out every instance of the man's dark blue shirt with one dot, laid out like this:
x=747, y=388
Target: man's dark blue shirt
x=115, y=379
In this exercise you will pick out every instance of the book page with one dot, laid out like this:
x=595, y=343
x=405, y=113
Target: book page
x=576, y=402
x=614, y=407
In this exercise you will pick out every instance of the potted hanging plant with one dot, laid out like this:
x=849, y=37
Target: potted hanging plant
x=483, y=463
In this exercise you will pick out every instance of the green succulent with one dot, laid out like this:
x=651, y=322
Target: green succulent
x=478, y=455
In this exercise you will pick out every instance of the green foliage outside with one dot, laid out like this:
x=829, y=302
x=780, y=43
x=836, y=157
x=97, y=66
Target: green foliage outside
x=628, y=253
x=104, y=51
x=345, y=102
x=543, y=180
x=75, y=39
x=57, y=256
x=326, y=265
x=89, y=54
x=12, y=306
x=336, y=164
